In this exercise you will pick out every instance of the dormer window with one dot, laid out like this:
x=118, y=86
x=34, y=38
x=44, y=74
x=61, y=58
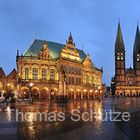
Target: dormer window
x=44, y=53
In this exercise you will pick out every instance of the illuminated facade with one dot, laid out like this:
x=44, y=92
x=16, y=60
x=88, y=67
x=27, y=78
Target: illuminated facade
x=8, y=83
x=41, y=70
x=127, y=81
x=42, y=65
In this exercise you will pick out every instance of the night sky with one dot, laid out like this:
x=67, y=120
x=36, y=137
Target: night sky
x=93, y=24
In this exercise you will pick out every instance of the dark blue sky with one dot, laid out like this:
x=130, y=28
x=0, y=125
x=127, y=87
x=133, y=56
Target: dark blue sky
x=93, y=23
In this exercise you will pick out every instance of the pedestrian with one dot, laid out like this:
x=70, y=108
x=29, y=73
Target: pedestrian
x=4, y=106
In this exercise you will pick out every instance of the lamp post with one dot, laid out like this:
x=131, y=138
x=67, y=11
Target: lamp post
x=30, y=85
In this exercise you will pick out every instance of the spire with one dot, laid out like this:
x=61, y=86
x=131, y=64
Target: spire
x=44, y=45
x=35, y=35
x=17, y=53
x=137, y=41
x=119, y=44
x=70, y=39
x=88, y=56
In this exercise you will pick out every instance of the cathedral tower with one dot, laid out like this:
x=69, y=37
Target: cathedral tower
x=136, y=56
x=119, y=58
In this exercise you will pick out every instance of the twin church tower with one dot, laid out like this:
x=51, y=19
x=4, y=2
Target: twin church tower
x=127, y=80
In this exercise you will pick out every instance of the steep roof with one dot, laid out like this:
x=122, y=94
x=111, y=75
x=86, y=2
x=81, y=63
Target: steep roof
x=119, y=44
x=136, y=48
x=129, y=70
x=55, y=49
x=2, y=73
x=13, y=74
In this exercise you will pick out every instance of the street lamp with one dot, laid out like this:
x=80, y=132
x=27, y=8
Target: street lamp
x=7, y=87
x=99, y=91
x=30, y=85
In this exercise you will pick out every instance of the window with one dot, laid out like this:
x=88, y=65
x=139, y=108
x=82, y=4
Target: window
x=73, y=81
x=118, y=57
x=96, y=80
x=87, y=79
x=79, y=71
x=78, y=81
x=44, y=73
x=35, y=73
x=72, y=70
x=70, y=80
x=52, y=74
x=118, y=71
x=76, y=70
x=92, y=79
x=26, y=73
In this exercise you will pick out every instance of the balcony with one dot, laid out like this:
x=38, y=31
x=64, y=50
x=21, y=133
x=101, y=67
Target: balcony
x=39, y=81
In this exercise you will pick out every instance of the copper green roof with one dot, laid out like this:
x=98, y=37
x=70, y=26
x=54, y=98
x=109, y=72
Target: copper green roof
x=55, y=49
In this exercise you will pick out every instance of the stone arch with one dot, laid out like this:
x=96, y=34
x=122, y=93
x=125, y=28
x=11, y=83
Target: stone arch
x=138, y=93
x=127, y=92
x=45, y=93
x=35, y=93
x=24, y=92
x=134, y=92
x=53, y=93
x=85, y=94
x=91, y=94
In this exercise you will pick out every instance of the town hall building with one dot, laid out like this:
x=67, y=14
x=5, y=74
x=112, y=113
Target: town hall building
x=42, y=69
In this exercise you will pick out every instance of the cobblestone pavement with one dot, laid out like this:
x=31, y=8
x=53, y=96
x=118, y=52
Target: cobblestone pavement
x=12, y=129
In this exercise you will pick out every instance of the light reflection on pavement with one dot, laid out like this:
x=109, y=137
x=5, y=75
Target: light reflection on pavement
x=68, y=129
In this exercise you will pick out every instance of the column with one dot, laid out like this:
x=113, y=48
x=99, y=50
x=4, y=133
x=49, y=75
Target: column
x=74, y=95
x=88, y=95
x=39, y=96
x=81, y=95
x=49, y=94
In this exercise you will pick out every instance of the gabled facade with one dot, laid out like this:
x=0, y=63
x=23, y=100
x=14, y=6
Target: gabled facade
x=8, y=83
x=42, y=65
x=127, y=80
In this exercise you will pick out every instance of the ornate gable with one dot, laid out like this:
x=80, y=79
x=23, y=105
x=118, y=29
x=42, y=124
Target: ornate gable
x=13, y=74
x=87, y=62
x=70, y=51
x=45, y=53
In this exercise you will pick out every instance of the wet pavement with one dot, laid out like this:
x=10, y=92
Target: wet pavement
x=13, y=127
